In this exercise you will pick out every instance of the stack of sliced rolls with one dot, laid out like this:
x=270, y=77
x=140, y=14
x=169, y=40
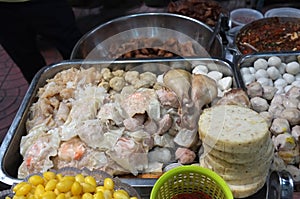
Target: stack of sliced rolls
x=237, y=145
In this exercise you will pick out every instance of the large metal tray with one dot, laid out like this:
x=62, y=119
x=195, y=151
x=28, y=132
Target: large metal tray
x=248, y=60
x=10, y=157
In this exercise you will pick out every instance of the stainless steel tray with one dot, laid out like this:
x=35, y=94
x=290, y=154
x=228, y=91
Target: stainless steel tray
x=10, y=157
x=248, y=60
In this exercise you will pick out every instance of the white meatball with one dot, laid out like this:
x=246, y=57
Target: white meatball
x=280, y=83
x=225, y=83
x=273, y=72
x=287, y=88
x=284, y=142
x=277, y=99
x=296, y=83
x=261, y=73
x=264, y=81
x=254, y=89
x=274, y=61
x=216, y=75
x=248, y=78
x=289, y=78
x=296, y=132
x=282, y=68
x=260, y=64
x=297, y=77
x=290, y=102
x=293, y=68
x=292, y=115
x=279, y=126
x=280, y=90
x=276, y=110
x=267, y=116
x=269, y=92
x=244, y=70
x=200, y=69
x=252, y=70
x=259, y=104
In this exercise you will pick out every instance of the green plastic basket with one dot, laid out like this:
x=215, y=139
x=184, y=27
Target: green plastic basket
x=190, y=179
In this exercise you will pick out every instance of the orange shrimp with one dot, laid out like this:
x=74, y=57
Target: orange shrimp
x=72, y=149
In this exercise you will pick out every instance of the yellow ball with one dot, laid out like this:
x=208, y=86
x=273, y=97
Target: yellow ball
x=76, y=188
x=108, y=183
x=35, y=180
x=24, y=189
x=64, y=186
x=51, y=185
x=91, y=180
x=48, y=175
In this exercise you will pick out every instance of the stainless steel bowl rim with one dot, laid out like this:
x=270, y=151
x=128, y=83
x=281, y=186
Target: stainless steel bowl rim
x=123, y=18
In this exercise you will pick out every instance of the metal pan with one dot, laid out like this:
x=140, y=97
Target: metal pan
x=248, y=61
x=97, y=43
x=10, y=157
x=274, y=34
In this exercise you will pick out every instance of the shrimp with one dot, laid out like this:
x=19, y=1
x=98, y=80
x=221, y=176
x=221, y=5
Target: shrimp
x=72, y=149
x=37, y=155
x=140, y=102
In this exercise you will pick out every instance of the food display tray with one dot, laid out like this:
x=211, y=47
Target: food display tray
x=248, y=60
x=10, y=157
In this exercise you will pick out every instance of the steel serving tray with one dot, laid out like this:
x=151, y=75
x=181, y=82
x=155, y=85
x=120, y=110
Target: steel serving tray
x=10, y=157
x=248, y=60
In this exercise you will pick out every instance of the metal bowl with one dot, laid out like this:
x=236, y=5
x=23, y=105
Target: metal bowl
x=95, y=44
x=274, y=34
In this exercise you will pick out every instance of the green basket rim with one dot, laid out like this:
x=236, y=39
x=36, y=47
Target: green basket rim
x=195, y=169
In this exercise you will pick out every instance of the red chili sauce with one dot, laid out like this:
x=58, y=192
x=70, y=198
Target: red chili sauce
x=270, y=37
x=196, y=195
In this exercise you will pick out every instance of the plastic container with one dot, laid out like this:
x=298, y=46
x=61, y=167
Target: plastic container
x=243, y=16
x=283, y=12
x=190, y=179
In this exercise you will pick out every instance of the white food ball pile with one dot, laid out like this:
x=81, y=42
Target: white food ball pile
x=273, y=88
x=224, y=83
x=273, y=72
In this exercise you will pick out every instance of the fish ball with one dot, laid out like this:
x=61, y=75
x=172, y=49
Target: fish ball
x=259, y=104
x=261, y=73
x=252, y=70
x=280, y=90
x=289, y=78
x=274, y=61
x=280, y=83
x=225, y=83
x=296, y=83
x=287, y=88
x=297, y=77
x=248, y=78
x=245, y=70
x=293, y=68
x=260, y=64
x=282, y=68
x=216, y=75
x=273, y=72
x=200, y=69
x=264, y=81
